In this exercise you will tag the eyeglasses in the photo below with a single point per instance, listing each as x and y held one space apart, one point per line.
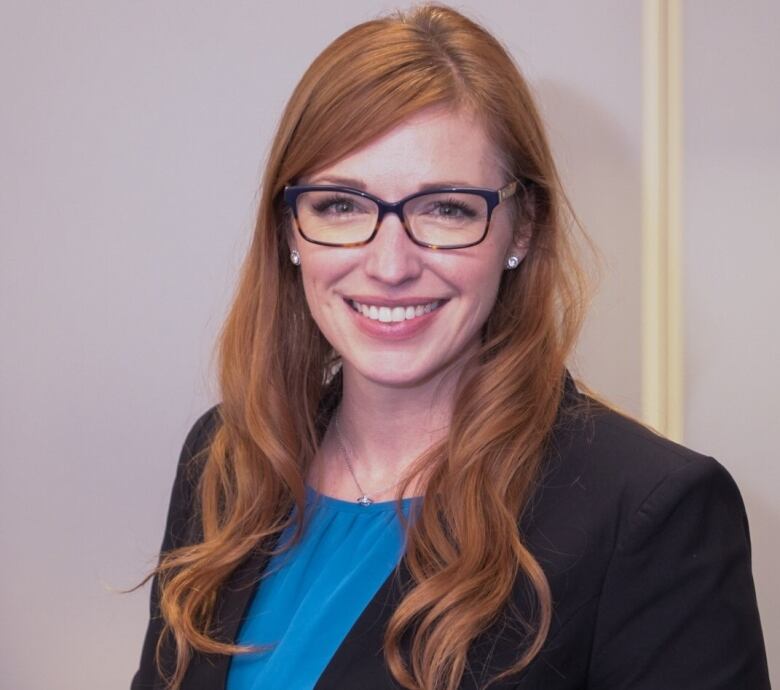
446 218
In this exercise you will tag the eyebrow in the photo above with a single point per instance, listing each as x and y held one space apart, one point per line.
361 185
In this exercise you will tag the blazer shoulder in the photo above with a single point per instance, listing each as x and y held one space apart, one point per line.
181 528
618 462
182 518
202 430
196 444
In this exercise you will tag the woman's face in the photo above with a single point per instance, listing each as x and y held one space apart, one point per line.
434 148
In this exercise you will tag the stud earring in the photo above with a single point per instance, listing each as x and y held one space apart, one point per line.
295 257
512 262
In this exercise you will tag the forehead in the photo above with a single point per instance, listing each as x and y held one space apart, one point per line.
434 146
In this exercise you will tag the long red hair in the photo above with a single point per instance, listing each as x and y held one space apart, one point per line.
275 366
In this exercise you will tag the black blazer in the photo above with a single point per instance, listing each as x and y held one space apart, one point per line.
646 547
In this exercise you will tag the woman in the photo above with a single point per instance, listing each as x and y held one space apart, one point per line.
402 485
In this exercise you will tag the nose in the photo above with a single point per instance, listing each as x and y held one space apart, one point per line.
391 257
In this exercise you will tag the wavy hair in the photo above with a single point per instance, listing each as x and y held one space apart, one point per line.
275 366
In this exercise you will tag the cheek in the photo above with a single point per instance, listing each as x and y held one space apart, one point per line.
479 276
485 280
320 273
319 308
314 288
487 289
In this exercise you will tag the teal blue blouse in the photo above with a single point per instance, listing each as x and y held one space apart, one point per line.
309 597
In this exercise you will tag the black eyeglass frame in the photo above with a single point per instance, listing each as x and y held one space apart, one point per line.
493 197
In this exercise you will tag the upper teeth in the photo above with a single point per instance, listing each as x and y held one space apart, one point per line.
388 314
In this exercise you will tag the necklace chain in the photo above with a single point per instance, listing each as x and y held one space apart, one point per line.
363 499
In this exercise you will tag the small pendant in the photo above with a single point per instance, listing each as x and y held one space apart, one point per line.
365 500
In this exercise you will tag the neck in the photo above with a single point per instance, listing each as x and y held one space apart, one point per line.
386 428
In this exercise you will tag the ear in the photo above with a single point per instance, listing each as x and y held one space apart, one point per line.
290 231
524 225
518 251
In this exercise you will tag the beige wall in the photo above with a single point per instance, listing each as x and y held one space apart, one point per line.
132 137
731 295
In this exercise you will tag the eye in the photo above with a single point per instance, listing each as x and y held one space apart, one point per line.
338 205
450 209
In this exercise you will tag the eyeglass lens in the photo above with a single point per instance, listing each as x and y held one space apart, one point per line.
442 218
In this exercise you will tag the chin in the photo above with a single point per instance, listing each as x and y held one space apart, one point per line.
395 372
399 382
393 377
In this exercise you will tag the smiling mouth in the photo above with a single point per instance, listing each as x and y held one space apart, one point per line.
394 314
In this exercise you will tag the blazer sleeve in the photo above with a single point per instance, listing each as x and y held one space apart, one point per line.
678 607
179 530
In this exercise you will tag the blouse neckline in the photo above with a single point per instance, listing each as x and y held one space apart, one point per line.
339 504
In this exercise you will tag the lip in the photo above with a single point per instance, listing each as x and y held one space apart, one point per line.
393 330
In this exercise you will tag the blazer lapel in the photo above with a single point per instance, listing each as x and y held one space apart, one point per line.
209 672
360 652
359 661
